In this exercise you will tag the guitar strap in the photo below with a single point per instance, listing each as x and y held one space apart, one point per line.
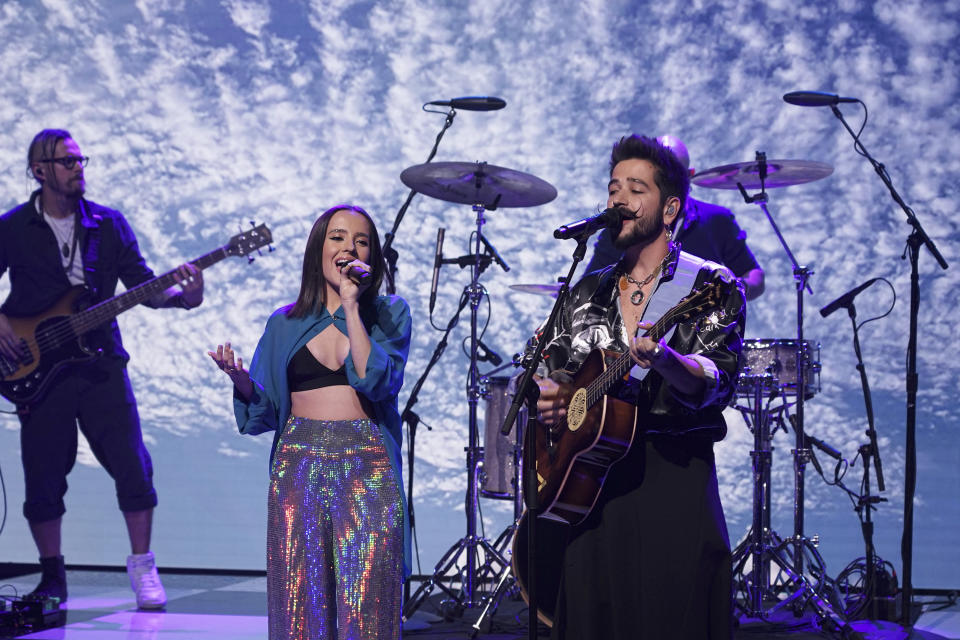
668 295
90 242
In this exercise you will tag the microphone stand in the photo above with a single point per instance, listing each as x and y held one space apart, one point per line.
866 502
471 544
413 420
917 238
528 391
389 253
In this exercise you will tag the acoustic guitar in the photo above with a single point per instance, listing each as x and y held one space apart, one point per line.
574 455
52 340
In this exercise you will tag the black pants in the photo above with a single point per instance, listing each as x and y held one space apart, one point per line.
98 398
652 561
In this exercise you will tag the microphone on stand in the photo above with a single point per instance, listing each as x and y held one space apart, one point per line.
823 446
486 354
846 298
815 99
437 261
494 253
588 226
472 103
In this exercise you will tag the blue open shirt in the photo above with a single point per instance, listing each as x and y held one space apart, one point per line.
387 321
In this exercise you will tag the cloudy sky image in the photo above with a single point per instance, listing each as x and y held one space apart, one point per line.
201 116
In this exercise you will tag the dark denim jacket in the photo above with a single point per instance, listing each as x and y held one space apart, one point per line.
28 249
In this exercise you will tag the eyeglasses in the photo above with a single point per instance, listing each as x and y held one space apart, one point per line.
68 162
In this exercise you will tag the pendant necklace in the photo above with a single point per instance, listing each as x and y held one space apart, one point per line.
636 298
63 229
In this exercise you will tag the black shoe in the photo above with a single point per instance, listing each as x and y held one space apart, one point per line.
53 581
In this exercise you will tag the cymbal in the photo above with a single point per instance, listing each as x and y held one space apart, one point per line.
542 289
780 173
478 183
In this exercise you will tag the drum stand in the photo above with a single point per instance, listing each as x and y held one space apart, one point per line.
505 581
766 578
463 556
793 586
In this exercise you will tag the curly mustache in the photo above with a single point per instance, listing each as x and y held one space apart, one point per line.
625 213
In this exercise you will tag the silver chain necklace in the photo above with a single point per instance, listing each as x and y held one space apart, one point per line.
636 298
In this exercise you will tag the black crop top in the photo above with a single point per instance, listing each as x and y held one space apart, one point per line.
306 372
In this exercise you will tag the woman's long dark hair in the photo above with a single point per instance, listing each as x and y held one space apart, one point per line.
313 289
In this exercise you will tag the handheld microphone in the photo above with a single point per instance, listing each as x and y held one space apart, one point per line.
437 261
494 253
846 298
359 275
815 99
472 103
588 226
486 354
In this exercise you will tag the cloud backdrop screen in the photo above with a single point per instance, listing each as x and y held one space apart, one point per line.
202 116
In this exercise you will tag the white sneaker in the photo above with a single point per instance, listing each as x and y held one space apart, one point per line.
145 581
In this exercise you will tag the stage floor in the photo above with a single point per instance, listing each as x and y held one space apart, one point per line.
220 607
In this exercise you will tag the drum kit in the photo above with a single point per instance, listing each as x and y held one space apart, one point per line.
771 369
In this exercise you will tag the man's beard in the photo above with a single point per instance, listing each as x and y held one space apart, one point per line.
73 188
642 230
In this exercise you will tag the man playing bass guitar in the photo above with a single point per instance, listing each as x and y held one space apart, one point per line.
56 240
651 559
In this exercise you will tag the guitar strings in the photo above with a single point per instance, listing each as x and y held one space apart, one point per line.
63 330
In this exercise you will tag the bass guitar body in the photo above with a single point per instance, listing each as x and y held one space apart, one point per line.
47 344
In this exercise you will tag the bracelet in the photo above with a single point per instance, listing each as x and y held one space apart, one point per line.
182 301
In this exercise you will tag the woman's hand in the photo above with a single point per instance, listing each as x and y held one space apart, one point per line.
224 357
350 291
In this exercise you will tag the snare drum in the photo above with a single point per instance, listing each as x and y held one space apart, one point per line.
498 478
770 363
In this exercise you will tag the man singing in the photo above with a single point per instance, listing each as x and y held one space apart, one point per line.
652 560
50 243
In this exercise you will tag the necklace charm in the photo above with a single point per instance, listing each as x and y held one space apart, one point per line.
636 298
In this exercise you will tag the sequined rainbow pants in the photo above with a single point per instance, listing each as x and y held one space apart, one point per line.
334 534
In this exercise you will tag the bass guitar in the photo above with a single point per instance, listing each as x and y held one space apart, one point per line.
54 339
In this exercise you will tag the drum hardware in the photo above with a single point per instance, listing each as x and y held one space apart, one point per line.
767 579
773 363
503 482
485 187
779 173
761 174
